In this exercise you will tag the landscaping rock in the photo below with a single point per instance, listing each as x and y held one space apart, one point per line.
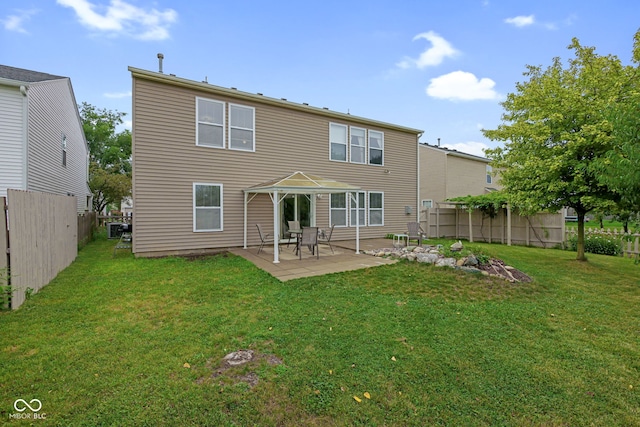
446 262
457 246
429 258
470 263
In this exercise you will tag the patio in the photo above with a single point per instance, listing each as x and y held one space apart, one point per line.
290 267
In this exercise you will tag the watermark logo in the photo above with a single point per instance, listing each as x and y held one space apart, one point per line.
34 405
21 405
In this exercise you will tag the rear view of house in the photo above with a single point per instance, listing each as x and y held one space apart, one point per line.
42 144
200 152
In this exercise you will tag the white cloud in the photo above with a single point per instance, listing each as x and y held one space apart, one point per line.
521 21
462 86
471 147
439 50
121 18
16 22
118 94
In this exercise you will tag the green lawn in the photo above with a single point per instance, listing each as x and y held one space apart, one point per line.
130 341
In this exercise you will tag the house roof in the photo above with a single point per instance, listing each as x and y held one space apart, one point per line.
302 183
27 76
456 153
282 102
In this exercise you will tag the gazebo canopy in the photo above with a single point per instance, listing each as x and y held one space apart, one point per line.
302 183
296 183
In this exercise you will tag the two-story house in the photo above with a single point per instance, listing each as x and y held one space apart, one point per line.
447 173
42 144
202 154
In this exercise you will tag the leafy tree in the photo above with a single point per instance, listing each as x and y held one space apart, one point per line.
109 155
620 167
555 128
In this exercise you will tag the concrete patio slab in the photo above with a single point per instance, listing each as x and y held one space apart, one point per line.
290 267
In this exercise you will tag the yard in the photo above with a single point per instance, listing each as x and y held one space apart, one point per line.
130 341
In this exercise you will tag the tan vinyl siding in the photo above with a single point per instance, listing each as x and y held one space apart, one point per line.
167 162
465 177
52 114
433 174
12 139
446 174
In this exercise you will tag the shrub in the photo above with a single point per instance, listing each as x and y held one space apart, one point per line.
597 244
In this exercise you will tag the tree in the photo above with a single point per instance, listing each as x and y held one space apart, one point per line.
619 168
109 156
556 128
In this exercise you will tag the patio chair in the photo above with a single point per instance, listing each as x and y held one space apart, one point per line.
264 237
415 232
309 239
293 225
325 237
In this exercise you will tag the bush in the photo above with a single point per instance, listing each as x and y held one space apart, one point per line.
597 244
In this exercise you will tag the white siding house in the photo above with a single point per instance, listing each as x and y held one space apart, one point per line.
42 144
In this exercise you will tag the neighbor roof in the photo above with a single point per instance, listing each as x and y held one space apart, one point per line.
27 76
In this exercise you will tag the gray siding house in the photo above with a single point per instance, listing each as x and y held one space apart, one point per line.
200 151
42 144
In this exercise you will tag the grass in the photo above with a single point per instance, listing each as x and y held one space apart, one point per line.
596 224
107 341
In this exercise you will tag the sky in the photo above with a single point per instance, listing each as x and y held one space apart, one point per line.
440 66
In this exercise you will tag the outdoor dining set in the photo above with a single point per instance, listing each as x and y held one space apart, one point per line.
309 237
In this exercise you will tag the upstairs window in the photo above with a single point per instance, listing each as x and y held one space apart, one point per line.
241 127
376 148
358 140
207 207
489 174
64 150
210 126
338 142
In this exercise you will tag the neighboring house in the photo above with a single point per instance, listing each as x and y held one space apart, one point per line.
199 150
446 173
42 144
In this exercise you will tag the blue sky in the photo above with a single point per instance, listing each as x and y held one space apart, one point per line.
440 66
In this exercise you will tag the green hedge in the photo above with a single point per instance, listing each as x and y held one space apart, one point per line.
597 244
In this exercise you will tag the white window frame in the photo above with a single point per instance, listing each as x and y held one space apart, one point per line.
489 174
195 208
220 125
345 209
428 201
362 207
363 147
376 148
370 209
253 129
345 143
64 150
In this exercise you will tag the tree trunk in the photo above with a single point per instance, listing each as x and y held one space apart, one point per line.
580 256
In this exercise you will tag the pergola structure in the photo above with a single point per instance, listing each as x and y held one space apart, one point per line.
297 183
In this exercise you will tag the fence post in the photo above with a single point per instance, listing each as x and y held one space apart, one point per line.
508 224
470 228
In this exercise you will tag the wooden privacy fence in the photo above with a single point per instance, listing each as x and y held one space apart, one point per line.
544 229
39 234
629 243
87 223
